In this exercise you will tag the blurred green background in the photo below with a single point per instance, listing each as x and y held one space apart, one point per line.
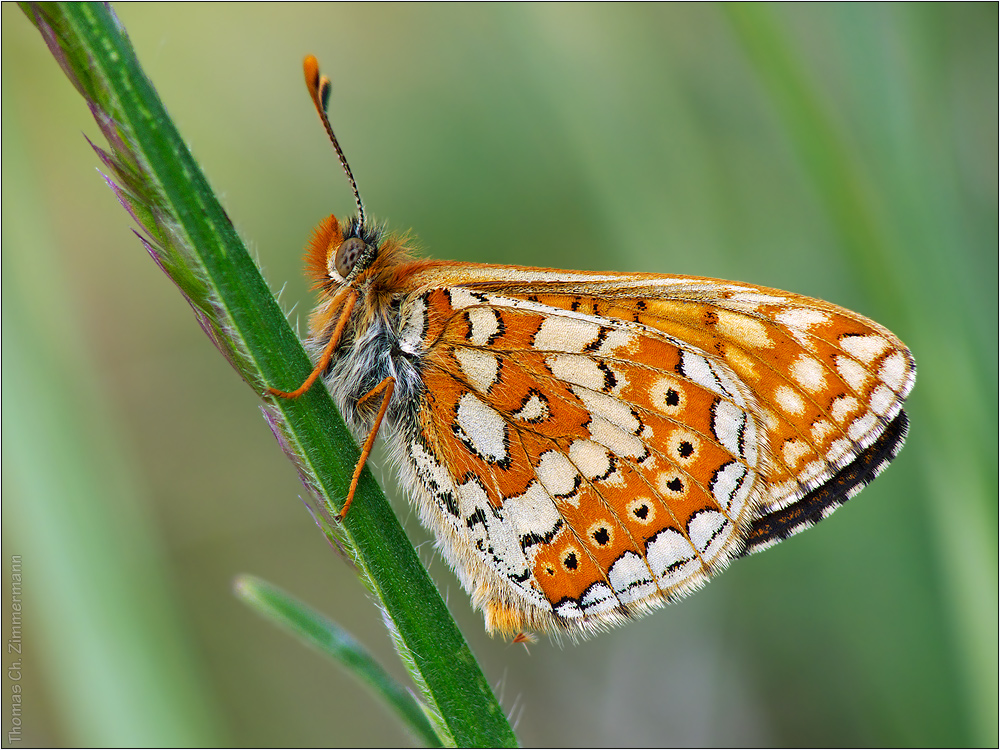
847 152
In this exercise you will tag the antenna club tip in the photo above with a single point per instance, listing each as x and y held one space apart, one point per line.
319 90
310 66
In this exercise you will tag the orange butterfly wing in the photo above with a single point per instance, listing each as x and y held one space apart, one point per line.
588 449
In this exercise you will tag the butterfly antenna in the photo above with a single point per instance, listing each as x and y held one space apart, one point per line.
319 90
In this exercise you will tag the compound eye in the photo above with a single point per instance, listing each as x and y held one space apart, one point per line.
347 256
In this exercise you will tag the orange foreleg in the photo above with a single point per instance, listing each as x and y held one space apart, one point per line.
324 359
387 386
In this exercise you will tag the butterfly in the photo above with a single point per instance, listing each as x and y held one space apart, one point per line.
587 447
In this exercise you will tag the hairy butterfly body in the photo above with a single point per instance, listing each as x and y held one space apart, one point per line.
589 446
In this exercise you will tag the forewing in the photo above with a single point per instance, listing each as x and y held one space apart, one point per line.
827 382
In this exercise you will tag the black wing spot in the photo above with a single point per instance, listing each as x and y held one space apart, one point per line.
596 344
529 539
601 536
610 381
447 499
520 577
477 517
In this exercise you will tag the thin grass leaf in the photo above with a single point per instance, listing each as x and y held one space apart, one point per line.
329 638
188 234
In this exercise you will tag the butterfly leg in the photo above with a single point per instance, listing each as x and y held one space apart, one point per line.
386 387
324 360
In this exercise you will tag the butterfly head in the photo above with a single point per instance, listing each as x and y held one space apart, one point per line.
339 254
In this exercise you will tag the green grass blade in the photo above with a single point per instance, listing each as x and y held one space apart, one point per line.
188 234
329 638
